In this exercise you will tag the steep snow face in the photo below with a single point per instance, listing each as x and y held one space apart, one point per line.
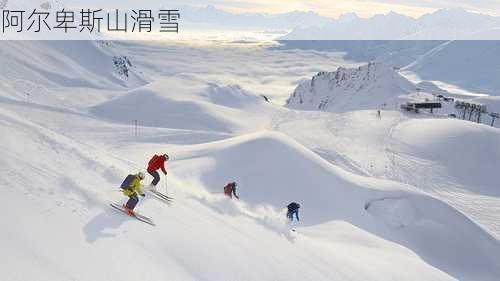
366 87
86 64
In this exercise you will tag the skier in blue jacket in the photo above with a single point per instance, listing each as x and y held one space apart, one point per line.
293 208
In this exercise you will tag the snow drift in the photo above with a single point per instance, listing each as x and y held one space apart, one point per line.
187 103
151 109
469 151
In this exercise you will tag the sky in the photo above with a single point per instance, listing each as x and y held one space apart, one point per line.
365 8
329 8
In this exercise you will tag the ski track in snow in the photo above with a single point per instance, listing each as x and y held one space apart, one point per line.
483 209
378 158
427 54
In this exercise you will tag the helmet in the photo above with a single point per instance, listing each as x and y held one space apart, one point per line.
166 156
141 175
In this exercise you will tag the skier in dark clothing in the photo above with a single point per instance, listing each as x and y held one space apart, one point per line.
156 163
230 189
293 208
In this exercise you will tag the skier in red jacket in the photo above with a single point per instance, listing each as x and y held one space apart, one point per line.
156 163
230 189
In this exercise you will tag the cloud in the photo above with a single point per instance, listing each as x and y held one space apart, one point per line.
330 8
492 5
361 7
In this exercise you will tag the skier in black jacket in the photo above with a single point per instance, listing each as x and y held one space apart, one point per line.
293 208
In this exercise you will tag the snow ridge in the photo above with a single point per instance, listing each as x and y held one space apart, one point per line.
364 87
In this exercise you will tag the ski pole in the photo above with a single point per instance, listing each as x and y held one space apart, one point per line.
166 185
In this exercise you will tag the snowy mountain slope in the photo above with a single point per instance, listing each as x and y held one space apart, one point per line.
66 205
45 64
470 152
367 86
456 164
467 64
333 193
463 158
278 148
430 52
211 107
363 143
392 52
64 162
167 112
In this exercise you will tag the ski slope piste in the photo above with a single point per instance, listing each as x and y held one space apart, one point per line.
66 150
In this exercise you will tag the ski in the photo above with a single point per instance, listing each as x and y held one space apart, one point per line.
136 215
161 195
162 199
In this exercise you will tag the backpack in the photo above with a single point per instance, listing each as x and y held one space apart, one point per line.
127 182
228 189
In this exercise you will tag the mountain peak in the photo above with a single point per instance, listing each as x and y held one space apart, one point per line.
395 14
364 87
452 12
348 17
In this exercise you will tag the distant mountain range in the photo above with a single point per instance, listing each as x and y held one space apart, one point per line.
212 17
444 24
